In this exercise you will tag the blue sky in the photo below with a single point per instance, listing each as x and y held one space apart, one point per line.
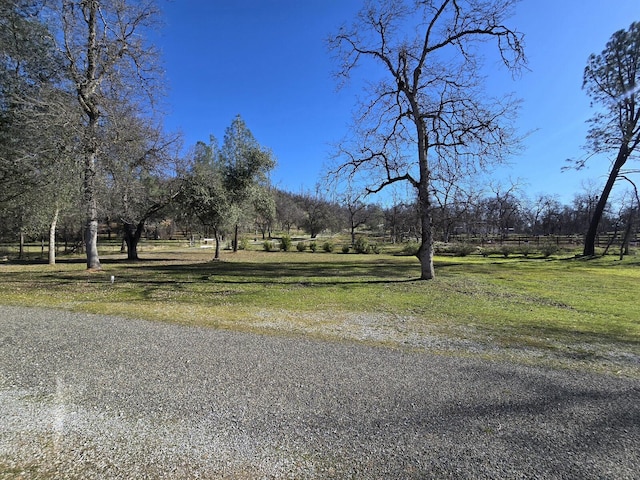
267 60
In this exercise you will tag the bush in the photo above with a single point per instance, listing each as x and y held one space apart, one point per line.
301 246
285 243
313 246
525 249
361 245
243 244
346 248
549 249
463 249
328 247
410 249
487 251
268 246
505 250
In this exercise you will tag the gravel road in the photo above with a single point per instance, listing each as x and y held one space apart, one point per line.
85 396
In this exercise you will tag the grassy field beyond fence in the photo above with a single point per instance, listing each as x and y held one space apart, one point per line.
564 309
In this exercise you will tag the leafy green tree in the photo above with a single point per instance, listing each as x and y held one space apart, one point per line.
611 79
203 193
264 209
428 114
222 183
37 145
29 70
246 166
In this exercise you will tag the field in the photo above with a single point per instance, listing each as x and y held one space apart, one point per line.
559 311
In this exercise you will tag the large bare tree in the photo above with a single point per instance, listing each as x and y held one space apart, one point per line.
106 57
428 116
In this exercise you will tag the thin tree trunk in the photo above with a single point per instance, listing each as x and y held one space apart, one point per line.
235 239
91 232
21 248
52 237
624 246
611 240
217 237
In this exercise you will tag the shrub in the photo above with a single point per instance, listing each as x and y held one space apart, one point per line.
525 249
548 249
346 248
243 244
505 250
410 249
361 245
268 246
313 246
285 243
328 247
463 249
301 246
487 251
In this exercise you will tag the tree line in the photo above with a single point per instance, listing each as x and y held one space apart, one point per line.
83 150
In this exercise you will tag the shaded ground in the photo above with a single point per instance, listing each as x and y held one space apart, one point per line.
101 397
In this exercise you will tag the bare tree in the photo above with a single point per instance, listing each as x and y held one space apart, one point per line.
106 57
317 214
429 115
356 210
137 161
288 211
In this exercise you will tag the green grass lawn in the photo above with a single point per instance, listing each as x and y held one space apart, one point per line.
568 307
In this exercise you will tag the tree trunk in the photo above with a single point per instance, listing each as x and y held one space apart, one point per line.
235 239
624 247
21 248
425 252
86 93
91 232
217 237
52 237
132 235
590 238
611 240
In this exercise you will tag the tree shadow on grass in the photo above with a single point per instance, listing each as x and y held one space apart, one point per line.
168 270
290 272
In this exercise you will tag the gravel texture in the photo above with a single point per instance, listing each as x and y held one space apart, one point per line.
85 396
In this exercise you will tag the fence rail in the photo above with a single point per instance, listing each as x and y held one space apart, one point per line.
602 240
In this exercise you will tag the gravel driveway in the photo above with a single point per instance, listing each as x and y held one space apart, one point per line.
86 396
